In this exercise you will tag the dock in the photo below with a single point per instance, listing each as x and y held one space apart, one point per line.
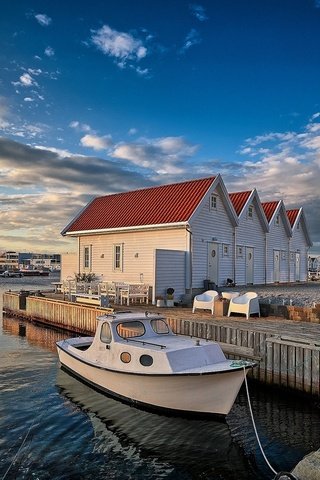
287 352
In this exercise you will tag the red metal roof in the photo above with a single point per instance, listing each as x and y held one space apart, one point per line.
149 206
239 199
269 208
292 215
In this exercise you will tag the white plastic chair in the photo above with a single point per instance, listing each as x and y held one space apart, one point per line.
230 295
205 301
246 304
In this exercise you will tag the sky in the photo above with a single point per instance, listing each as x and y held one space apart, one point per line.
118 95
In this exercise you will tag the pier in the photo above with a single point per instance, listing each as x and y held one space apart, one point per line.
287 352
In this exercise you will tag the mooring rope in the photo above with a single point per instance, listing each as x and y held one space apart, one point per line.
278 475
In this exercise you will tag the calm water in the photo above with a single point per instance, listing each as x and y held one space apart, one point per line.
54 427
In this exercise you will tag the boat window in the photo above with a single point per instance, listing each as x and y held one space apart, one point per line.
125 357
105 334
146 360
159 326
130 329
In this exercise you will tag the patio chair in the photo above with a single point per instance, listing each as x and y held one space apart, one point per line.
205 301
246 304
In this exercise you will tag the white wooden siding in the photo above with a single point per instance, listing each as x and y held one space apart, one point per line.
250 233
298 244
278 240
211 226
170 271
138 252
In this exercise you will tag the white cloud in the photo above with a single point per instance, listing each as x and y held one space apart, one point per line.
28 99
164 155
199 12
95 142
26 80
49 52
4 113
132 131
81 127
43 19
123 47
193 38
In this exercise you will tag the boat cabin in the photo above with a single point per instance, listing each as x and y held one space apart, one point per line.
145 344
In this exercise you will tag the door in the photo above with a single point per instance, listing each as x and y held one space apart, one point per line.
249 265
213 262
276 266
297 279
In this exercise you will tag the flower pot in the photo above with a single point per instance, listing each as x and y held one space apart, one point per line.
160 303
170 303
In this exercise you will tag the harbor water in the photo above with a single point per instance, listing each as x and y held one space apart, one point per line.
54 427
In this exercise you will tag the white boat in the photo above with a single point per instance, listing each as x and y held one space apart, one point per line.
136 357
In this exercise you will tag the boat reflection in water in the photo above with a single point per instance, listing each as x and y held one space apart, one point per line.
194 445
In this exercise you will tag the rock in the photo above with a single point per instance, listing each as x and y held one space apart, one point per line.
309 467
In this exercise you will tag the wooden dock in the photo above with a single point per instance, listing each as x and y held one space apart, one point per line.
287 352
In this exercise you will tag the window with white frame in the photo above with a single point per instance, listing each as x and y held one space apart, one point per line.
250 211
298 226
225 250
213 202
239 251
87 257
277 220
118 257
283 255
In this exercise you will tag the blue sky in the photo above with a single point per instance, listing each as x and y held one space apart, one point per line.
118 95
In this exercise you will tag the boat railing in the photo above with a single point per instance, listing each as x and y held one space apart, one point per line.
129 339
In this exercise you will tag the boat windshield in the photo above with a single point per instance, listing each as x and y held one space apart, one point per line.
130 329
159 326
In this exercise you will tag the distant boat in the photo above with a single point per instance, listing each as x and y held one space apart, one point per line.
137 358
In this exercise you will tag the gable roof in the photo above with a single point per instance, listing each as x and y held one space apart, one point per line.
292 216
165 204
242 200
271 209
295 216
239 199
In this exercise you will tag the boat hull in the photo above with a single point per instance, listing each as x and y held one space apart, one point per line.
208 393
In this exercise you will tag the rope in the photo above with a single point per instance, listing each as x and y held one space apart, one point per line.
278 475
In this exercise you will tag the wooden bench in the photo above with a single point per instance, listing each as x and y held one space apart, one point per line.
134 292
91 299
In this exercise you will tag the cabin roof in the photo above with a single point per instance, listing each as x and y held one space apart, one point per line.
269 208
292 215
165 204
239 199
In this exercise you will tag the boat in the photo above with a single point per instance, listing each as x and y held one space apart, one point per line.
136 358
34 273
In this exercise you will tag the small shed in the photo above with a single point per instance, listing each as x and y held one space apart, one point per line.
300 243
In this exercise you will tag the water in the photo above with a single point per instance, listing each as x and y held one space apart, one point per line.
54 427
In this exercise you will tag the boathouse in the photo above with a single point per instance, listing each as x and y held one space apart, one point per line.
278 241
300 242
176 235
250 238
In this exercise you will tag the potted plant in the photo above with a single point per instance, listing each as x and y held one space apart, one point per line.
170 301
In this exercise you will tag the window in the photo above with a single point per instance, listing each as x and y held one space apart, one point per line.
277 220
283 255
250 211
146 360
298 226
239 251
225 250
213 202
125 357
159 326
117 257
87 257
130 329
105 334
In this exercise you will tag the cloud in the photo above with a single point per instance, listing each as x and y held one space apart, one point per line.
164 155
4 113
49 52
81 127
43 19
199 12
121 46
193 38
38 182
26 80
95 142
